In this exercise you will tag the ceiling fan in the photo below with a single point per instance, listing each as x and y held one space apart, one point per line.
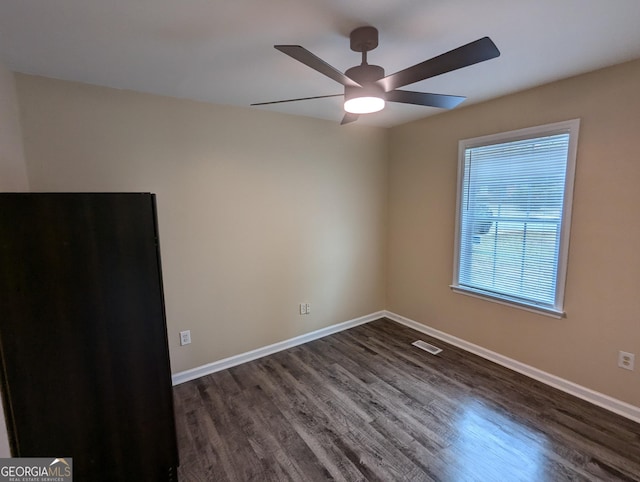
366 89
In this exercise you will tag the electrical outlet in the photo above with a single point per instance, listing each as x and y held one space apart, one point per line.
626 360
307 308
185 337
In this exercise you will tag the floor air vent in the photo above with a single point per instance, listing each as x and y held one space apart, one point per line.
423 345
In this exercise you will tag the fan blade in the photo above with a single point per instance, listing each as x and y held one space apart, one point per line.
349 117
469 54
422 98
295 100
316 63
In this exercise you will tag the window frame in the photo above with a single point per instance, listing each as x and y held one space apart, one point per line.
572 128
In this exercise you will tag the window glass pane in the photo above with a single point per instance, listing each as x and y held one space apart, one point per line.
511 213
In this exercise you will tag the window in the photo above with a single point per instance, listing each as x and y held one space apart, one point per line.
513 216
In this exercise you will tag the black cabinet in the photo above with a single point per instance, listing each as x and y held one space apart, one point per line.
83 340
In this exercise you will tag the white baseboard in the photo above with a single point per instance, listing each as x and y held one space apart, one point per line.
609 403
232 361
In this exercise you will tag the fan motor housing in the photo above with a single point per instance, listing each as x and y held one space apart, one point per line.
365 73
367 90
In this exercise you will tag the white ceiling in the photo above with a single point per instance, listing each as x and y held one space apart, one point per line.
221 51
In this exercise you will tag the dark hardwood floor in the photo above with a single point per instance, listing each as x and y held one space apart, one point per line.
364 404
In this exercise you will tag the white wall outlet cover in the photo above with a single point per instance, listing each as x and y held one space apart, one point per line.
626 360
185 337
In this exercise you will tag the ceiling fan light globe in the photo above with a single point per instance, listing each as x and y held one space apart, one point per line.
364 105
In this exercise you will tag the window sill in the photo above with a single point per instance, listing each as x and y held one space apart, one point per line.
523 306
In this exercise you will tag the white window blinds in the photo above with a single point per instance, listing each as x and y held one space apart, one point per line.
511 214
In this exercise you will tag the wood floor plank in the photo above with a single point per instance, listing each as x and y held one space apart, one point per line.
343 432
300 404
305 417
240 460
364 404
354 421
403 411
406 397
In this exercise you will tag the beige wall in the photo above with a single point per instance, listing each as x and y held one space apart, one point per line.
13 173
602 299
258 212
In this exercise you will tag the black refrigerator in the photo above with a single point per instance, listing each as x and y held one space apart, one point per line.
83 339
